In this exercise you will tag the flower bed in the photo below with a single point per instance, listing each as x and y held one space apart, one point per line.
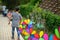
29 33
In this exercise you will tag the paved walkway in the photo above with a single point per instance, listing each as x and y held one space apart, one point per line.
5 29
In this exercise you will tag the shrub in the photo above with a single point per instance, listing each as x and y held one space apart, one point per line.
26 9
52 20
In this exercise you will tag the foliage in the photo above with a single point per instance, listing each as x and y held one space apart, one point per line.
26 9
52 20
22 2
33 2
14 3
11 3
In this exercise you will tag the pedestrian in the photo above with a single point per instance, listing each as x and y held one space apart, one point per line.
3 10
9 15
16 19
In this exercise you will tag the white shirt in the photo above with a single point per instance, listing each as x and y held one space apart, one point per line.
3 8
6 11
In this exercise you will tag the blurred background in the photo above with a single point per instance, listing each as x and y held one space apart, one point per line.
46 13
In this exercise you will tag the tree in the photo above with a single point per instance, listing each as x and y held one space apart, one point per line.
24 1
11 3
14 3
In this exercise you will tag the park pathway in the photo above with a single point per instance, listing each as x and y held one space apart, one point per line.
5 29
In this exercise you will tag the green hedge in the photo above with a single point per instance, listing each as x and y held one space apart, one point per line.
52 20
33 2
26 9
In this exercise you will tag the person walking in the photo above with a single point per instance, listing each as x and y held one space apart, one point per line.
3 10
16 19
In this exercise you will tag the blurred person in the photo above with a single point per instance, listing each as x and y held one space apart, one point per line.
9 15
16 19
3 10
